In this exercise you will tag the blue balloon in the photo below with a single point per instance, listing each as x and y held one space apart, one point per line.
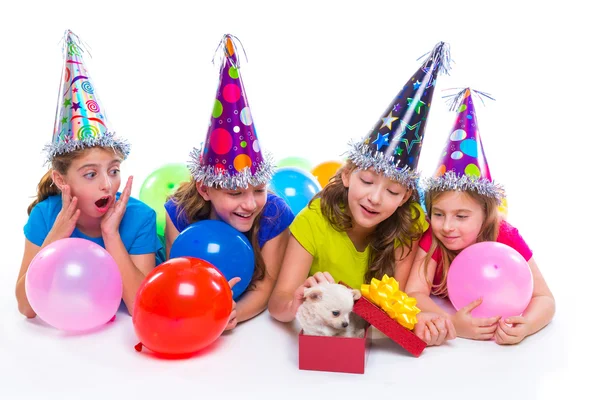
295 186
221 245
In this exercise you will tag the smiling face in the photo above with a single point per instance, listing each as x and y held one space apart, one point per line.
94 178
239 208
372 197
456 219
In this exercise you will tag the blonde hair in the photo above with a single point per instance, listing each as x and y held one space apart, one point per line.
402 225
194 208
60 163
488 232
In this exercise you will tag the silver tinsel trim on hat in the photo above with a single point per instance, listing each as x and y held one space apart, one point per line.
219 179
364 158
441 57
455 100
223 46
102 140
451 181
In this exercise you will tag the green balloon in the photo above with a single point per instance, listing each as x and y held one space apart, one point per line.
298 162
158 186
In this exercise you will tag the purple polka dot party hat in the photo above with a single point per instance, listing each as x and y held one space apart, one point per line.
463 165
231 156
80 117
393 146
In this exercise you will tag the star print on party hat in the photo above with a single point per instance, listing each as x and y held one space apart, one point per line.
80 117
463 165
394 144
231 156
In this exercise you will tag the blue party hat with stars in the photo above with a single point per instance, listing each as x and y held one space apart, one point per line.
394 144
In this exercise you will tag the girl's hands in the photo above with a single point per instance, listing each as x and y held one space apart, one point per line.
65 222
474 328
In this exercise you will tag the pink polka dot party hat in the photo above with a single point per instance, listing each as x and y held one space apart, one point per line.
463 165
231 156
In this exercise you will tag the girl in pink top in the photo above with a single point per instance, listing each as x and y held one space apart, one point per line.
462 204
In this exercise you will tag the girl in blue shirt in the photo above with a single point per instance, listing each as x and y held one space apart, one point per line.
229 178
78 195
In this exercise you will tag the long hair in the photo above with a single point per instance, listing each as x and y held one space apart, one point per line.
401 226
61 164
488 232
194 208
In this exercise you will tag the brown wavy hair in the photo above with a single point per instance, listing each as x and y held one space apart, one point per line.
194 208
487 233
61 164
402 225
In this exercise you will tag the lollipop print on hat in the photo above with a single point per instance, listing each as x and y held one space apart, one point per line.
80 117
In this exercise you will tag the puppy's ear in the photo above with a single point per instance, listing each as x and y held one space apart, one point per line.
356 294
313 293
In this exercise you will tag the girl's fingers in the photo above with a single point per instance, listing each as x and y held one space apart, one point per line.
75 217
126 192
434 332
486 336
329 277
72 207
320 277
427 336
65 196
487 329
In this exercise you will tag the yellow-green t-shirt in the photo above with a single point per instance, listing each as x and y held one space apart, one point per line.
333 251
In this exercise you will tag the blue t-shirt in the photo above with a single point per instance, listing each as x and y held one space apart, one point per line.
137 229
276 217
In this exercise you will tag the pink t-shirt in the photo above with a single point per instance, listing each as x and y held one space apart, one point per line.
507 234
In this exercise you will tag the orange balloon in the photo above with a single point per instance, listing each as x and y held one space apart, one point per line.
325 171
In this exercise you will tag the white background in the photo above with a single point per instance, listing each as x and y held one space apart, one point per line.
318 74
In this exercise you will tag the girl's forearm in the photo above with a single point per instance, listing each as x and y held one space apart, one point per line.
281 306
23 302
251 304
132 277
539 313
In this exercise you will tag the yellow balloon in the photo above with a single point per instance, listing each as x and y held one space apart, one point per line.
325 171
503 208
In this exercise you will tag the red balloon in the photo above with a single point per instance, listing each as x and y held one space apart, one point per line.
182 306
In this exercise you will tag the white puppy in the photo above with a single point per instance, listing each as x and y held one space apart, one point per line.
327 311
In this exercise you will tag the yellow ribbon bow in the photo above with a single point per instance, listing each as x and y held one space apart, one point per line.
386 294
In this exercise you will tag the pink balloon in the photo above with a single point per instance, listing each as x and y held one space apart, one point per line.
495 272
74 285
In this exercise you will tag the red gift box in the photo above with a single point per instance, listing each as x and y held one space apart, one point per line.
333 353
344 354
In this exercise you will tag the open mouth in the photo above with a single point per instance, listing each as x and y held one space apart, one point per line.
103 202
243 215
369 211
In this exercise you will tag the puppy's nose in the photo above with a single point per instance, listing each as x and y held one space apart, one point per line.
345 324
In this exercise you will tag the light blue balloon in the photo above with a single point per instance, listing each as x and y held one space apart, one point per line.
295 186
